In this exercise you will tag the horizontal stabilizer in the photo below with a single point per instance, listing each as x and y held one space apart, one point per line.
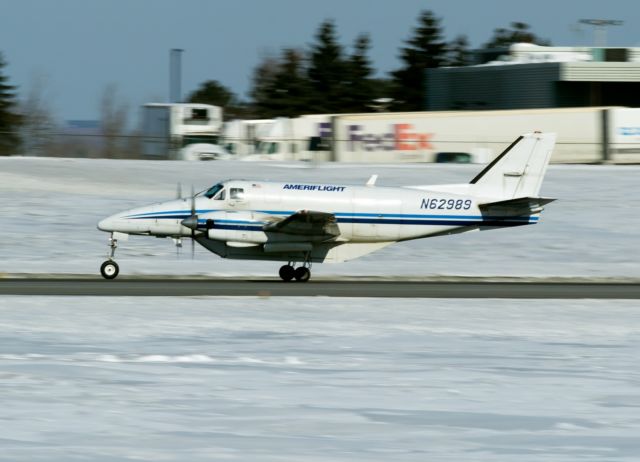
518 206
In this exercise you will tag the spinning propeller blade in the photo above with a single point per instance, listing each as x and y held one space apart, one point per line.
193 230
191 221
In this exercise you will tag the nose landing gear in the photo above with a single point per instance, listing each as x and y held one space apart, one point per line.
110 269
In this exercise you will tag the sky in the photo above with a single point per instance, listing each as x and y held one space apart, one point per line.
76 48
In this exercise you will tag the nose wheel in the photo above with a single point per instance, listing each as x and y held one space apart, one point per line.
110 269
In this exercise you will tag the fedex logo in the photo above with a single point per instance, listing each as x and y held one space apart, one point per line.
401 137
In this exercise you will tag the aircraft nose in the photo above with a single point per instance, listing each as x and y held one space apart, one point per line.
109 224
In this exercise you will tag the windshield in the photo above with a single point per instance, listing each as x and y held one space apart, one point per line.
213 190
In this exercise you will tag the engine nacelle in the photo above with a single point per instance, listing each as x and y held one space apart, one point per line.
241 226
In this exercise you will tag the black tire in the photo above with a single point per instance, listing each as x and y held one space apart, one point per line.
109 269
302 274
286 273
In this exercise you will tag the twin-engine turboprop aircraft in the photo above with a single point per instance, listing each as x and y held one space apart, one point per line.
302 223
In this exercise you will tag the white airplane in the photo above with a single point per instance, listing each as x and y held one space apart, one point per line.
303 223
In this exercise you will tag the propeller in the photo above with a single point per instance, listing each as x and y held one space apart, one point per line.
178 242
191 222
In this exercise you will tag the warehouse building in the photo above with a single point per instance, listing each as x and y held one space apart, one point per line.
532 76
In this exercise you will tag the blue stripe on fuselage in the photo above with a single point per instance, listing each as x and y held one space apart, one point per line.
339 215
355 218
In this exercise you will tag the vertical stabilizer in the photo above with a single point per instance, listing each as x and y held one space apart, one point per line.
519 170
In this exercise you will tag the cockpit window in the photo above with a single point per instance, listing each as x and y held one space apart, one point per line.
213 190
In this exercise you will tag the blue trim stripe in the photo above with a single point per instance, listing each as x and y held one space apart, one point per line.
483 222
354 218
177 213
339 215
489 222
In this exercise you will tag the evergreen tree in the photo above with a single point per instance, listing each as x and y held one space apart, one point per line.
426 49
459 54
290 95
327 71
214 93
263 83
9 120
359 86
281 87
519 33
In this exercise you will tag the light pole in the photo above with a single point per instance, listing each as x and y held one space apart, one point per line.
600 31
175 75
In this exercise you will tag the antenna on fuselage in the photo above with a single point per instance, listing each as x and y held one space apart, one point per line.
372 181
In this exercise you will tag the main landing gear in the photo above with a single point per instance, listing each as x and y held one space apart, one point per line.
301 273
110 269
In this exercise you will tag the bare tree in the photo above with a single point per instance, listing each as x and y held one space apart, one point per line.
113 120
38 122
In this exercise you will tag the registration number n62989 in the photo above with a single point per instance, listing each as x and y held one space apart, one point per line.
445 204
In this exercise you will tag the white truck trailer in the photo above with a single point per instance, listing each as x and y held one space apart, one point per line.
301 138
585 135
182 131
243 138
432 136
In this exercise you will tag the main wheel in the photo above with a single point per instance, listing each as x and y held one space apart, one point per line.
286 273
302 274
109 269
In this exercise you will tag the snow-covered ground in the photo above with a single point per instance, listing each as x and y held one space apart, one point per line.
315 379
291 379
50 207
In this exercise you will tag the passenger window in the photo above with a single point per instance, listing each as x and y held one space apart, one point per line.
237 194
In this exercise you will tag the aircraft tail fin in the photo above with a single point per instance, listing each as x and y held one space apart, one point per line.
519 170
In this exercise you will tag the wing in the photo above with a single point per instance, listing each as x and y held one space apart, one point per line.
306 223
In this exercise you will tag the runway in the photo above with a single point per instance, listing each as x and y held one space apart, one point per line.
141 286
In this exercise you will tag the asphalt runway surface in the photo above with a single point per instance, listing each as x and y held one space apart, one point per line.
141 286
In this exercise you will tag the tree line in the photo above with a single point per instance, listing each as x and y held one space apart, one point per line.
326 77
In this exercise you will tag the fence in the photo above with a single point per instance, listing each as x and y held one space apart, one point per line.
131 146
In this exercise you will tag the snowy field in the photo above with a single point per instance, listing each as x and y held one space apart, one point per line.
322 379
50 208
316 379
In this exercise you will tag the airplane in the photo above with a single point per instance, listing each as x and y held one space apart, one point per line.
306 223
